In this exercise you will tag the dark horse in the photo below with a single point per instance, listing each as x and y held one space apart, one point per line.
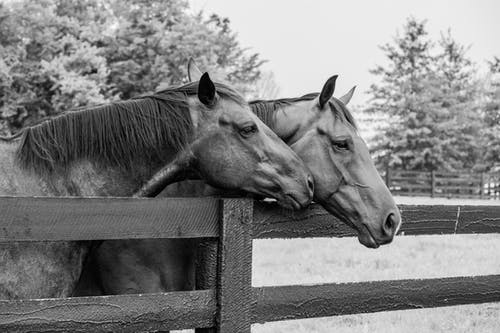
322 131
113 149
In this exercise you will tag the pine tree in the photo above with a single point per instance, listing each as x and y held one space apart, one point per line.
457 96
491 117
430 102
409 139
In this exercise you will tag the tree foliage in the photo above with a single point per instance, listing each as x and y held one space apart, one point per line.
57 55
491 121
429 93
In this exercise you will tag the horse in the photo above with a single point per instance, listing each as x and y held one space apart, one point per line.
320 128
200 130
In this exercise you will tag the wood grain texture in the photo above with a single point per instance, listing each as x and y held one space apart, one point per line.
234 287
34 219
475 219
125 313
206 272
206 267
297 302
272 221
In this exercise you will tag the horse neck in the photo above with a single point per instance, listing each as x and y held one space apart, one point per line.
82 177
95 178
289 119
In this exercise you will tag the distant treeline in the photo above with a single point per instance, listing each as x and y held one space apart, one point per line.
440 113
57 55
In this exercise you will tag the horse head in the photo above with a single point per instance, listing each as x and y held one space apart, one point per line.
347 183
233 149
322 131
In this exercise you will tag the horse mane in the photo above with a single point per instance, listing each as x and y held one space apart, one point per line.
266 109
118 133
342 112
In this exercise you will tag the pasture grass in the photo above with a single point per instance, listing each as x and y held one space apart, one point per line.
305 261
322 260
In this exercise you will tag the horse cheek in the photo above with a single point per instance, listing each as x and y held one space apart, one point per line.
218 164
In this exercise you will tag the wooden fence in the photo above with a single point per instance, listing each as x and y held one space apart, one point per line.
443 184
229 303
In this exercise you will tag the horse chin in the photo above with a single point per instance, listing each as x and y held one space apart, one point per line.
291 202
365 237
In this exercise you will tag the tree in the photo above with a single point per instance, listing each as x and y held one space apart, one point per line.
408 140
491 117
58 55
265 87
457 96
429 100
152 41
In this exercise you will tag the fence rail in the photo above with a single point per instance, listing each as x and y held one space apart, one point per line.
230 303
443 184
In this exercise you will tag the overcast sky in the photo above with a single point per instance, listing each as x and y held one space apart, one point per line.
306 41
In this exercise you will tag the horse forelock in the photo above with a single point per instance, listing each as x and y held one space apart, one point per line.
342 112
119 133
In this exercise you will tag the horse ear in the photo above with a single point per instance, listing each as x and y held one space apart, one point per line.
206 90
347 97
194 72
327 91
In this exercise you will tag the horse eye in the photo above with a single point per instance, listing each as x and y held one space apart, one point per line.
248 131
341 145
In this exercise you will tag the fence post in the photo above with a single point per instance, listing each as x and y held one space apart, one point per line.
388 177
230 269
433 183
206 270
234 287
481 184
488 181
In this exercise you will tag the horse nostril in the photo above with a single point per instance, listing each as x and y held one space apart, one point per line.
310 184
390 225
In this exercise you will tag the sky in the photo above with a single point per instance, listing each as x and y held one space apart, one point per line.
307 41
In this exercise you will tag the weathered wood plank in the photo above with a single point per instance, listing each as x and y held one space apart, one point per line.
234 292
206 271
475 219
410 194
425 188
445 182
298 302
34 219
125 313
272 221
31 219
428 220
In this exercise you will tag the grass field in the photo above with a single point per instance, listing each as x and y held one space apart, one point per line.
321 260
303 261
